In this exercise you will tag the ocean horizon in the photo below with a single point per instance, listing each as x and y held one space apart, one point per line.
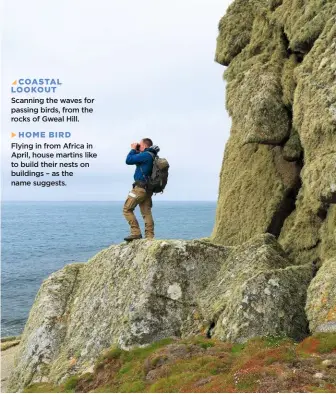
41 237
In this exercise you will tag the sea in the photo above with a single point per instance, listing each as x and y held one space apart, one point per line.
39 238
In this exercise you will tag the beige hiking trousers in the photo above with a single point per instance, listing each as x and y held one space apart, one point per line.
136 196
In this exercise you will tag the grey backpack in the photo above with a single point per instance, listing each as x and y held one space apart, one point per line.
159 177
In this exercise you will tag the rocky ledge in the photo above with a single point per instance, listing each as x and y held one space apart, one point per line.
134 294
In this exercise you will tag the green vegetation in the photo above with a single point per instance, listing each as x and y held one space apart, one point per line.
10 339
319 343
8 344
41 388
205 365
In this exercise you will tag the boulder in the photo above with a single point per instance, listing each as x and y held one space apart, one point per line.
321 299
126 295
134 294
257 292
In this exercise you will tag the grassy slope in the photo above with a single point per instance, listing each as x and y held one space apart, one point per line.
206 365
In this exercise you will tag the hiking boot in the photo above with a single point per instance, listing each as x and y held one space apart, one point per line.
132 237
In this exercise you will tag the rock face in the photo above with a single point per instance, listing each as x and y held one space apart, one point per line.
278 173
321 299
257 292
138 293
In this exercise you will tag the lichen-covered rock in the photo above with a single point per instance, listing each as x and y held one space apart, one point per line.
288 82
292 150
46 327
327 249
235 29
257 293
134 294
313 116
304 20
321 299
257 186
125 295
254 86
280 91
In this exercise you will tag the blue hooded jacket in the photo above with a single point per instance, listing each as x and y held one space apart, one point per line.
144 160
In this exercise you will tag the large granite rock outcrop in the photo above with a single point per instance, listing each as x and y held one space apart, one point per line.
278 172
134 294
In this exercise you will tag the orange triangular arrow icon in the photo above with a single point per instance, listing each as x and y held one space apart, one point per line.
15 82
13 135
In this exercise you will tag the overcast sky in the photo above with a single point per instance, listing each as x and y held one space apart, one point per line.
149 65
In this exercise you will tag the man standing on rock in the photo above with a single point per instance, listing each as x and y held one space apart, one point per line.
142 155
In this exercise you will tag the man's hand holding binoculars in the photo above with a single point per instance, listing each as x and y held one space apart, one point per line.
135 146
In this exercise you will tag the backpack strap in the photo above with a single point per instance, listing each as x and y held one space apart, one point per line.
143 174
153 156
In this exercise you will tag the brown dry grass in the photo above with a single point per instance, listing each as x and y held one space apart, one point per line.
263 364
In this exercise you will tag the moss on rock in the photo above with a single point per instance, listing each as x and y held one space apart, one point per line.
321 299
304 20
281 91
288 82
255 180
292 150
254 89
238 21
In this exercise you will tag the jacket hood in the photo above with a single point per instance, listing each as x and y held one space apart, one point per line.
154 149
